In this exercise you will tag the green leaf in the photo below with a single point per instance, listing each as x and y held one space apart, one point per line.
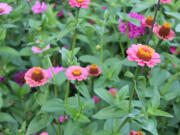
123 92
60 78
157 112
140 6
83 90
105 95
177 29
8 50
155 100
90 59
173 14
5 117
83 119
26 52
132 20
53 105
38 122
110 112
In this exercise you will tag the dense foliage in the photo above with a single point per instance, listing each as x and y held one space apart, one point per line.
81 67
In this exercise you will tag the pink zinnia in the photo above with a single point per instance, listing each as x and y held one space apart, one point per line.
164 32
56 70
166 1
133 30
113 92
135 133
104 7
148 21
29 0
93 70
96 99
173 49
44 133
143 55
79 3
61 119
39 8
36 76
76 73
60 14
40 50
5 8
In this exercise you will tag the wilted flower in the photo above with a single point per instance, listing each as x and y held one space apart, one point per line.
60 14
76 73
96 99
39 8
143 55
36 76
56 70
5 8
166 1
148 21
79 3
113 91
133 30
19 78
93 70
40 50
173 49
164 32
91 21
1 78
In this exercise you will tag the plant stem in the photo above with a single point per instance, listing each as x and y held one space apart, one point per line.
177 51
102 35
54 129
75 35
133 86
116 124
59 129
122 124
169 82
79 100
92 86
54 79
155 15
67 92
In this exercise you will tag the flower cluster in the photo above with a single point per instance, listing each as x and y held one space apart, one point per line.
62 118
39 8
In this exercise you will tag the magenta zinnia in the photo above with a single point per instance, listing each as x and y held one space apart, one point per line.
79 3
166 1
113 91
76 73
19 78
143 55
36 76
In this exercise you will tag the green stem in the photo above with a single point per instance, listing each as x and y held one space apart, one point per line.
59 129
133 86
127 27
116 125
102 35
54 129
92 86
67 92
54 79
75 35
169 83
177 51
79 100
122 124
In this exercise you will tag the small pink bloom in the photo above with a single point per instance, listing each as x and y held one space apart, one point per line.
96 99
60 14
166 1
1 78
148 21
44 133
175 65
29 0
40 50
76 73
37 41
173 49
36 76
104 7
133 133
143 55
39 8
93 70
61 119
5 8
91 22
66 117
113 92
56 70
79 3
164 32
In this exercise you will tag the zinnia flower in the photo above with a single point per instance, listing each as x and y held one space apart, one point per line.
76 73
40 50
143 55
44 133
5 8
148 21
56 70
135 133
91 21
96 99
166 1
93 70
79 3
29 0
164 32
60 14
19 78
173 49
104 7
1 78
39 8
61 119
36 76
113 92
133 30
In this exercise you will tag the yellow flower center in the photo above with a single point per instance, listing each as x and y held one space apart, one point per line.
77 72
149 20
165 29
1 10
93 69
37 74
80 1
145 53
